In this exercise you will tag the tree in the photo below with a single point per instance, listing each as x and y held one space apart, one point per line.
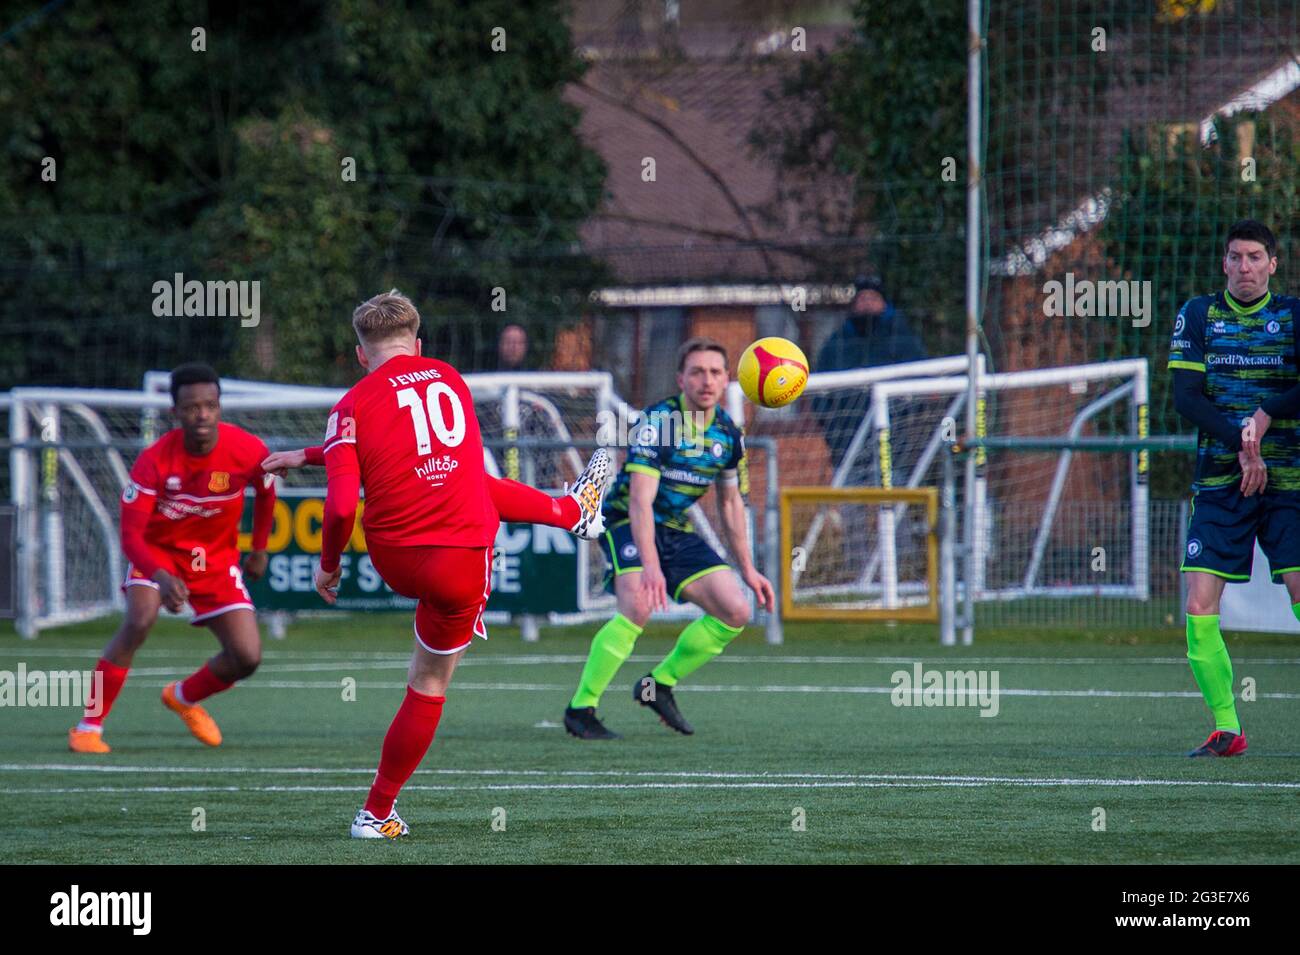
887 109
230 162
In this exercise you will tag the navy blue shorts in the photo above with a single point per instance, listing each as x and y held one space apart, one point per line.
1224 526
684 556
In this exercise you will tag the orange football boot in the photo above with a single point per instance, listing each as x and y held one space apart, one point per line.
87 741
203 726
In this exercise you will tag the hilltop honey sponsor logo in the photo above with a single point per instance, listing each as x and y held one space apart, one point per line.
436 470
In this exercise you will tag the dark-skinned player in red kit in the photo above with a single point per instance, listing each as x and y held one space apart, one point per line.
180 532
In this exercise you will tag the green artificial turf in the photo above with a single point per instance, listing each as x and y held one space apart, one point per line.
806 730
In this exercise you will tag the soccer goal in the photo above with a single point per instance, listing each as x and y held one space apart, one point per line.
1042 522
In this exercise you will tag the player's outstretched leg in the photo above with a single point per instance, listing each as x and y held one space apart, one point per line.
142 603
578 510
725 614
589 493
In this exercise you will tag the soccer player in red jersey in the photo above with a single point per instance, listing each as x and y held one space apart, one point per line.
180 527
408 432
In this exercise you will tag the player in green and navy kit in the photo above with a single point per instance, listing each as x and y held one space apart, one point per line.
1234 360
683 446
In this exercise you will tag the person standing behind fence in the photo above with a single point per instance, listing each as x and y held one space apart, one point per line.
874 333
512 349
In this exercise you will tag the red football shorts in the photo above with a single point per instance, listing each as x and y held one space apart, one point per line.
451 585
216 590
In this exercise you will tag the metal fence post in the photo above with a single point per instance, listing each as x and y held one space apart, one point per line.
772 543
21 491
947 558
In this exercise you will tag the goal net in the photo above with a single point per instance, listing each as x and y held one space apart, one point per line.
1047 524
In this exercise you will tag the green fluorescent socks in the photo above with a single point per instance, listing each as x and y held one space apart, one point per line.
1212 668
700 642
611 645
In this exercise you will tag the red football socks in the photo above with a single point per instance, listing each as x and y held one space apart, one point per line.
522 504
407 741
100 701
201 684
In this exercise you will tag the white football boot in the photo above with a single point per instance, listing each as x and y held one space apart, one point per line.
589 491
366 826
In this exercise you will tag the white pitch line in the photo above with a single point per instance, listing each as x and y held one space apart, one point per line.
552 787
755 778
542 659
257 684
487 787
343 666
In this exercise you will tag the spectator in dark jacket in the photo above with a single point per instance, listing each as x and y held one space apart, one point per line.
874 333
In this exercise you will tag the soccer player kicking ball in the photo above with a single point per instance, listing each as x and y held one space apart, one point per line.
180 529
1234 360
407 432
652 549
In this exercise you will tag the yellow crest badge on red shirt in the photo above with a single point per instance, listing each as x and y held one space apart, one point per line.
219 482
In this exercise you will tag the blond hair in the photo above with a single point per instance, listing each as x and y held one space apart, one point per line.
387 316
